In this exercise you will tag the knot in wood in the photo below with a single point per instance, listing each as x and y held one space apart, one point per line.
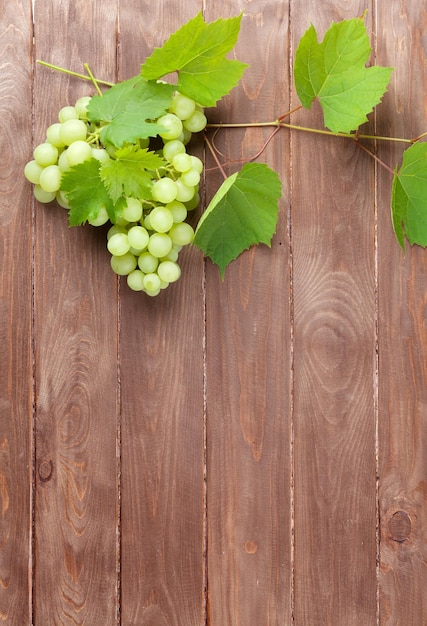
45 470
400 526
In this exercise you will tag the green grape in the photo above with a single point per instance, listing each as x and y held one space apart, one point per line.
113 230
100 154
193 203
184 192
178 210
161 219
46 154
151 283
132 211
43 196
61 199
50 178
123 264
182 106
67 113
32 171
172 148
72 130
182 162
196 122
169 271
181 234
63 164
100 218
191 178
135 280
118 244
172 126
164 190
78 152
196 163
171 256
52 135
81 107
138 237
159 244
147 263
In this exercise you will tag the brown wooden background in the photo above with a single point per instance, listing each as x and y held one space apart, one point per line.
246 453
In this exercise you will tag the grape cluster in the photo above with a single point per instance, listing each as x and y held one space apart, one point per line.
146 237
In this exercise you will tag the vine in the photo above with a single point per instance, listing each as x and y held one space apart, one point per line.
121 156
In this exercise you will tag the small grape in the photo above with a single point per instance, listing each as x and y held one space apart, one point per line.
81 107
63 164
46 154
78 152
161 219
113 230
138 237
178 210
50 178
118 244
172 148
43 196
32 171
123 264
135 280
62 199
100 218
182 106
182 162
147 263
159 244
100 154
196 163
72 130
151 283
67 113
52 135
184 192
164 190
191 178
132 211
172 126
181 234
196 122
169 271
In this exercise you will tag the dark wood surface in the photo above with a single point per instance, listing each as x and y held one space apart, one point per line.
240 453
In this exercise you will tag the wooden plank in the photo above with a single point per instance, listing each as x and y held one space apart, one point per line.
248 359
15 315
161 373
402 336
76 346
334 365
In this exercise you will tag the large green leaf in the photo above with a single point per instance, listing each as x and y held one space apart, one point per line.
86 192
197 52
334 71
409 197
127 173
243 212
128 109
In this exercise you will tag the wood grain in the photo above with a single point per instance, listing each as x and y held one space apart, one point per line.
334 365
162 405
248 360
15 316
402 338
76 356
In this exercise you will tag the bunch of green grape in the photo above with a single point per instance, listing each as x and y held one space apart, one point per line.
148 234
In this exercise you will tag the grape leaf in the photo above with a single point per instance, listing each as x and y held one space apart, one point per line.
197 52
409 193
86 193
242 212
334 71
128 109
127 174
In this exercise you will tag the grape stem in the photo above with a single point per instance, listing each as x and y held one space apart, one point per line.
93 79
76 74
